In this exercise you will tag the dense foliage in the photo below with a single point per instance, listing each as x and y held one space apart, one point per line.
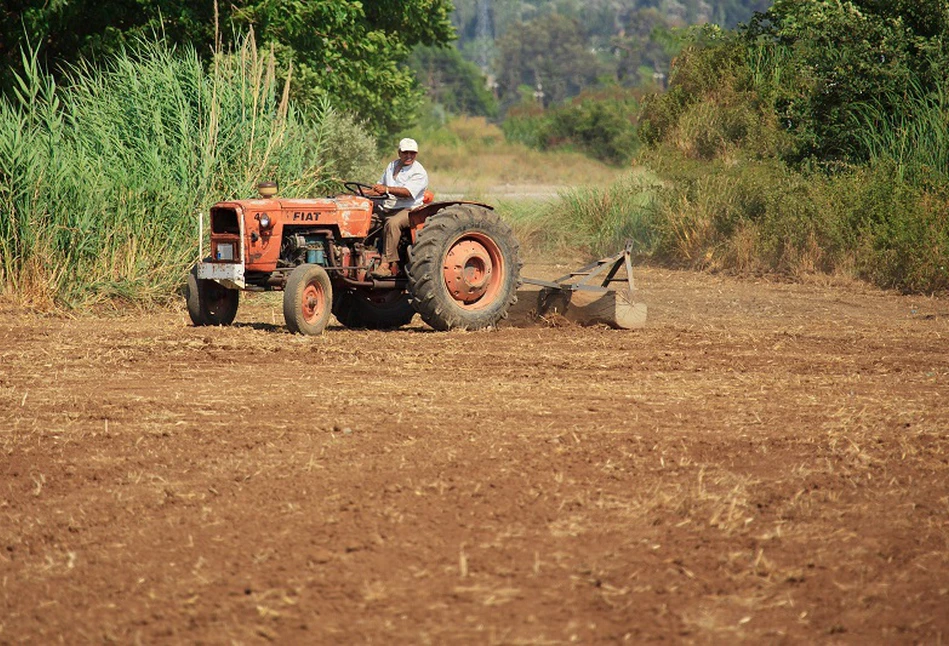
349 51
828 60
827 72
352 51
815 139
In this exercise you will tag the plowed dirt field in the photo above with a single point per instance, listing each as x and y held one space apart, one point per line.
763 462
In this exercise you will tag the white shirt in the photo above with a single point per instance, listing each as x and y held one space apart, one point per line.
413 177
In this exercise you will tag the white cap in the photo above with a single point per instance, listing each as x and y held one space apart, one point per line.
408 146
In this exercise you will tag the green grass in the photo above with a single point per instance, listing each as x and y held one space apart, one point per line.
916 142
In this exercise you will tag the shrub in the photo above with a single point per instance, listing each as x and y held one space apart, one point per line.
765 217
600 220
898 232
752 216
525 124
601 125
603 129
713 61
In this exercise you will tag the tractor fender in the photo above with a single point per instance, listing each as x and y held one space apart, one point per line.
419 214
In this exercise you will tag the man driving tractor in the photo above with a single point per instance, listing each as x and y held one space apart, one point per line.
405 181
464 271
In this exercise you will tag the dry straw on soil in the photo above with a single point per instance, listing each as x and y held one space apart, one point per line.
762 462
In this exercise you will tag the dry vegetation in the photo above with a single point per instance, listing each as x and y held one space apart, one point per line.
763 462
470 157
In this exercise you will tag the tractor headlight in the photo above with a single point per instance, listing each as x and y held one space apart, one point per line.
265 221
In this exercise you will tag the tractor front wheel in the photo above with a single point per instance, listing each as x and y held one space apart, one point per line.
307 300
210 303
464 269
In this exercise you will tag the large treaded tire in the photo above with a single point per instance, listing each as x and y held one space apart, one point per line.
210 303
464 269
307 300
381 311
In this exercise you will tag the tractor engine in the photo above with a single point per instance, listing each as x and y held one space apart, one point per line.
352 259
305 247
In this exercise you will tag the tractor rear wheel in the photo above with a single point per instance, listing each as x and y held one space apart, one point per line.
209 302
464 269
373 310
307 300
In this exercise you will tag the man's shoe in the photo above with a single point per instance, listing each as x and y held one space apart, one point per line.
383 271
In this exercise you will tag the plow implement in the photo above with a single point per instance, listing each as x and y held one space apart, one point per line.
602 292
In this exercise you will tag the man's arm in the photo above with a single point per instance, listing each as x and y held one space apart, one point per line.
398 191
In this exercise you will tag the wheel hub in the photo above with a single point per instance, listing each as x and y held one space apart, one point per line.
468 270
312 302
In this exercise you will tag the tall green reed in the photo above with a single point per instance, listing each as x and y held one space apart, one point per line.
768 63
915 140
596 221
605 218
100 179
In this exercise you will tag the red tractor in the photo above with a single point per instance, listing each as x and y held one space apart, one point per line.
460 260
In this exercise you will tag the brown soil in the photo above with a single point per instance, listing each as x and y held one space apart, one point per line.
763 462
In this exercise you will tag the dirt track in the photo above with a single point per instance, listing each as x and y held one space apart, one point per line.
763 462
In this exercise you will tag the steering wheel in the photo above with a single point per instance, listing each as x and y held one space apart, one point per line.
360 189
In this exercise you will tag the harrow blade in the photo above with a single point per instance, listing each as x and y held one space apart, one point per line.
590 296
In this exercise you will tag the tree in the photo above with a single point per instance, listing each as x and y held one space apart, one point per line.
646 42
550 54
452 82
68 31
347 50
352 51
